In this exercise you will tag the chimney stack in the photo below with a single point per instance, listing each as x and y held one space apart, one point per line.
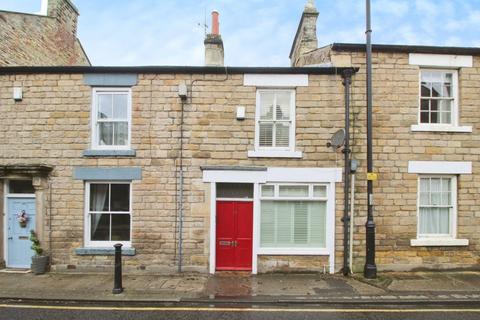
214 44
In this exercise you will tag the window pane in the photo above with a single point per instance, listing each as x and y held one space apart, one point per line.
100 227
434 105
105 133
318 224
282 134
425 89
293 191
121 133
20 186
424 117
319 191
268 191
266 105
98 197
293 224
120 197
434 118
284 212
445 105
266 135
300 231
120 227
104 106
434 221
267 224
283 106
120 105
436 89
235 190
425 105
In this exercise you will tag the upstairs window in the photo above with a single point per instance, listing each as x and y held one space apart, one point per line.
275 120
111 118
438 97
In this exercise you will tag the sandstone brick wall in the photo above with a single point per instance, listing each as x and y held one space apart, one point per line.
35 40
395 109
52 126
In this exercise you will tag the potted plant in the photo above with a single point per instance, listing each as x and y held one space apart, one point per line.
39 261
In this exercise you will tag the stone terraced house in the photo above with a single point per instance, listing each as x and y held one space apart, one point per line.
227 168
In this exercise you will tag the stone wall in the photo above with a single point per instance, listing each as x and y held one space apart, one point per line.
36 40
52 126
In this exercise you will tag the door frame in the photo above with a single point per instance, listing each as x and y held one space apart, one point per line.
213 224
8 195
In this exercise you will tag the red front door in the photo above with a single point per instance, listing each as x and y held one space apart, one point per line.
234 235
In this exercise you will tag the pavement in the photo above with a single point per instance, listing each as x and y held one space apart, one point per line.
414 287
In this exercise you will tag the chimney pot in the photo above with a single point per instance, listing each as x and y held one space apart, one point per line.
215 23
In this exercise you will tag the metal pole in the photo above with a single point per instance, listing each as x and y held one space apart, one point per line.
370 270
352 224
347 77
117 286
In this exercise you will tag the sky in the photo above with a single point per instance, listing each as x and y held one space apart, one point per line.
255 32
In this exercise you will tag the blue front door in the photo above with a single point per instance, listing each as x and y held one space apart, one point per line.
19 253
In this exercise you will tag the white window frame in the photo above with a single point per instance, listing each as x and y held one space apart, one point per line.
454 125
87 221
310 197
453 217
287 152
94 118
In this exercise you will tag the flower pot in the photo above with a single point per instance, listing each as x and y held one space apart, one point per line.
23 224
39 264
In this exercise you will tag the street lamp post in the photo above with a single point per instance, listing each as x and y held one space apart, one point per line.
370 270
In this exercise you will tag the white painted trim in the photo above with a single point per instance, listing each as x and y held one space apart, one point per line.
275 80
311 175
453 214
93 118
86 230
424 127
438 242
274 154
256 227
213 226
234 176
455 109
440 167
331 225
440 60
293 175
291 139
275 174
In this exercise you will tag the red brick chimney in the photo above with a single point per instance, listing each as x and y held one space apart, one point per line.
214 52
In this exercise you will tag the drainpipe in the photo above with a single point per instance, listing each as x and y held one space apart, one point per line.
347 79
183 97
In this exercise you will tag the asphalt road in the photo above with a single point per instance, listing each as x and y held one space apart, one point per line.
12 311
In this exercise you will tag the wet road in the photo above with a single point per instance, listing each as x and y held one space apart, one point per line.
13 311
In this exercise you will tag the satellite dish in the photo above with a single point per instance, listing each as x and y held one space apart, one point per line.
337 139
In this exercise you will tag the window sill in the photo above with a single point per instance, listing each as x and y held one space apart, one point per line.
440 128
109 153
438 242
107 251
274 154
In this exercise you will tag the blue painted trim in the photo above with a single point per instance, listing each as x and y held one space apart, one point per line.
110 79
103 251
96 173
109 153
